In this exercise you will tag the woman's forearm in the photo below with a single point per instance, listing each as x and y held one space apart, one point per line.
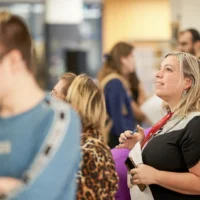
185 183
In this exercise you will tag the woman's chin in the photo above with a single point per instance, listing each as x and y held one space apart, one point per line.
159 94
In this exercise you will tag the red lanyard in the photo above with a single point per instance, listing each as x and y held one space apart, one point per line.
156 127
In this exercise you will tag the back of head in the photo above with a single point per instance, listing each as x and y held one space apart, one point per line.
68 78
14 35
88 100
113 59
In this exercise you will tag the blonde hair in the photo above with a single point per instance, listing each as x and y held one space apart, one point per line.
88 100
190 68
68 78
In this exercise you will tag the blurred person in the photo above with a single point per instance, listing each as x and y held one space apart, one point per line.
170 151
61 88
35 144
113 80
97 178
189 42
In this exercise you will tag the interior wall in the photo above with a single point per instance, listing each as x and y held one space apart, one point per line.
142 20
186 13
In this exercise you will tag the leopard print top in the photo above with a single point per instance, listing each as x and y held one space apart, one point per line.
97 178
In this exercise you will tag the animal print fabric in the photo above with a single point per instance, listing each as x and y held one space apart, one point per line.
97 178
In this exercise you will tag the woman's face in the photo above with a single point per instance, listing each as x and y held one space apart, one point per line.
58 90
128 63
169 82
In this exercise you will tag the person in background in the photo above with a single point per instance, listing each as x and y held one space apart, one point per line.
171 151
61 88
35 144
189 42
97 178
113 80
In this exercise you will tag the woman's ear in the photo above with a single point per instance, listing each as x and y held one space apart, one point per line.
188 83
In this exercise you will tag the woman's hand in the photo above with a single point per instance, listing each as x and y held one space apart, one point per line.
144 174
7 184
128 139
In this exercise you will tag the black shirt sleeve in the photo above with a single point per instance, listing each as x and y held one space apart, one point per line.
190 143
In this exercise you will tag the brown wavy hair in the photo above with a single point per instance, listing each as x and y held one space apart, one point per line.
113 59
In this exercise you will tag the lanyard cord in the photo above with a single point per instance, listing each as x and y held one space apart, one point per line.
156 127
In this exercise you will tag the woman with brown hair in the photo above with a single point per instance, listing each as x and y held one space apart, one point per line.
118 66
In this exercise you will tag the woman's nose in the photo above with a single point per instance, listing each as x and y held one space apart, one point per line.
159 73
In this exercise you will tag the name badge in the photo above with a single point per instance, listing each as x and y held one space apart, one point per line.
5 147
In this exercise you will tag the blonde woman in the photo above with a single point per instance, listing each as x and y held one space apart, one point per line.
171 150
97 178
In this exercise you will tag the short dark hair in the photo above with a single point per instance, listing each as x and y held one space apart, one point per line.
195 34
14 34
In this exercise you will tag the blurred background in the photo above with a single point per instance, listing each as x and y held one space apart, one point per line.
73 35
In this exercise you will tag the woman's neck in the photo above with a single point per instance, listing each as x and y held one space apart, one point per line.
25 95
172 105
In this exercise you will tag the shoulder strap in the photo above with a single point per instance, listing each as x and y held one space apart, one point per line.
112 76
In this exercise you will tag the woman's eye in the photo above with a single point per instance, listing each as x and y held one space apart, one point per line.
168 69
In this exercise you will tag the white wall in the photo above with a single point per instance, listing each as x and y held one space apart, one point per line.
187 12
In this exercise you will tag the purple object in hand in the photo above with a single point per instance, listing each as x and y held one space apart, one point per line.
119 156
